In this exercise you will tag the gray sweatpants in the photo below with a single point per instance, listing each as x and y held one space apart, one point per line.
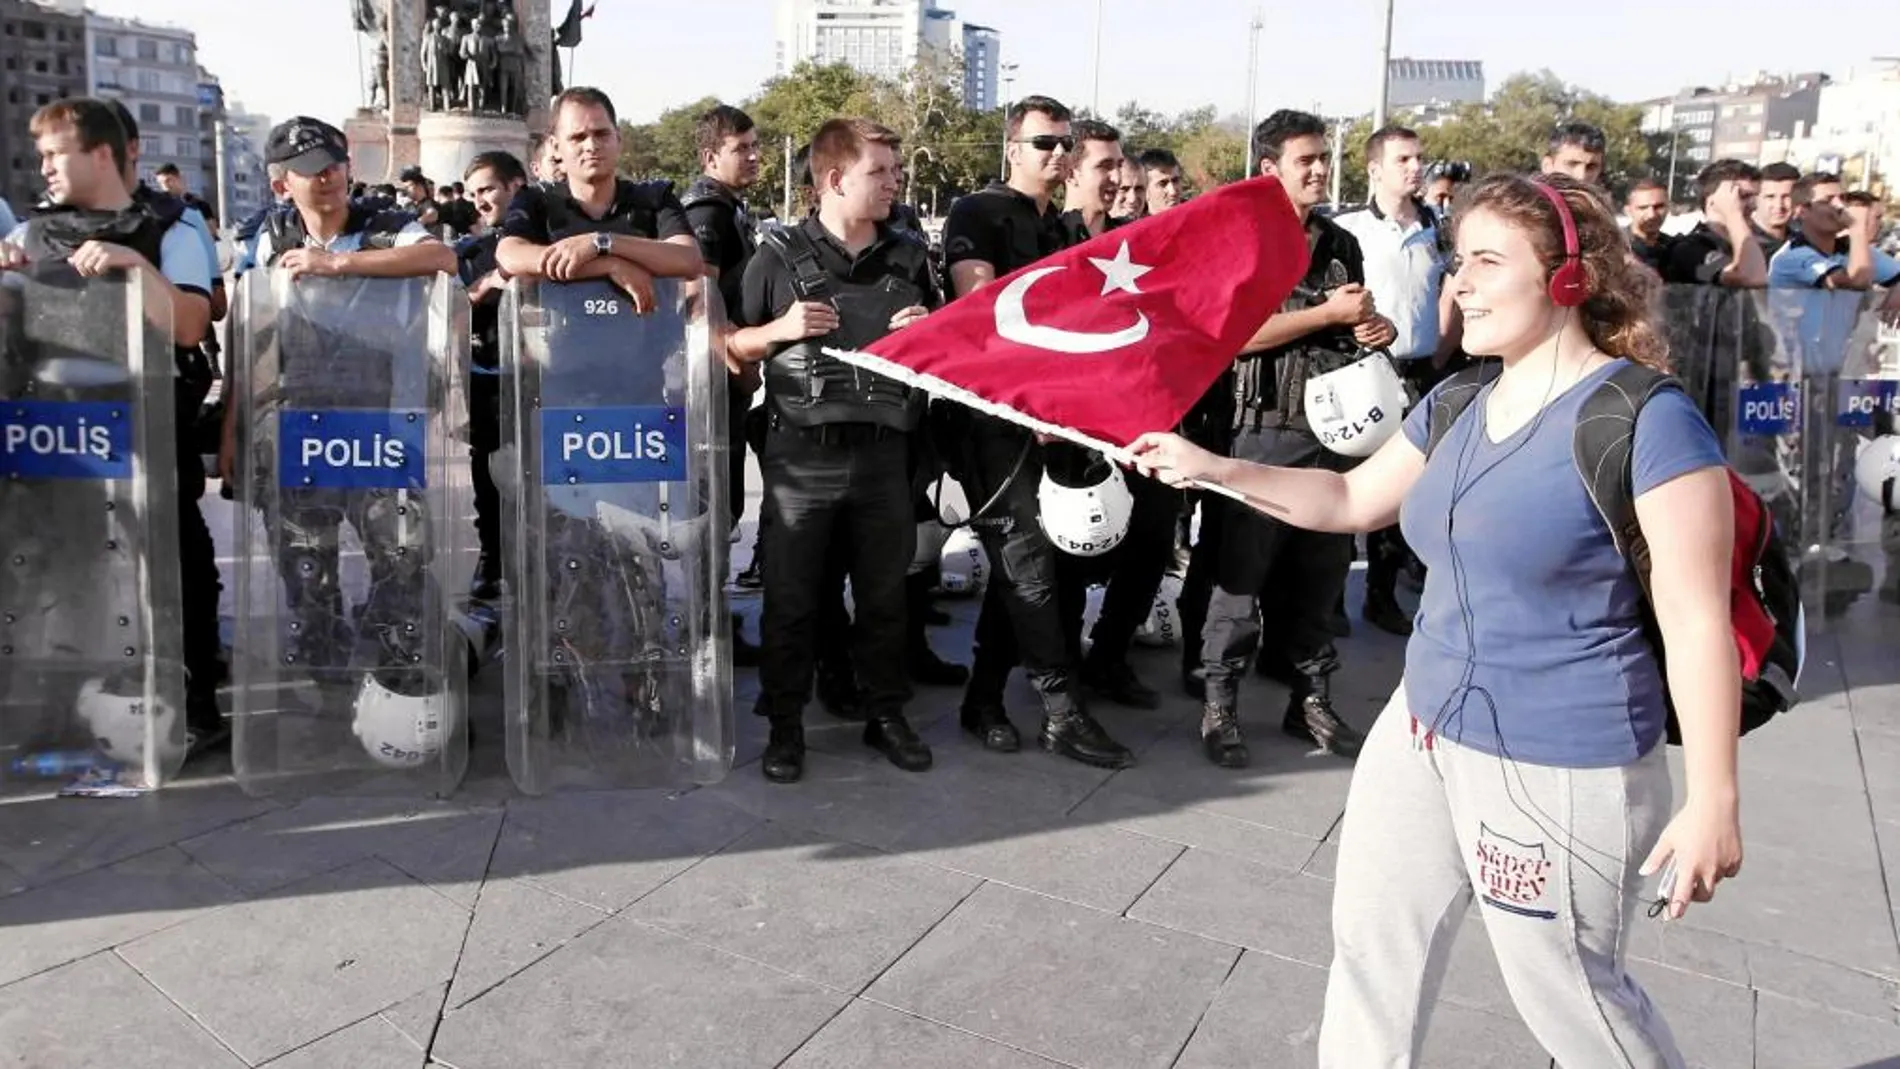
1552 855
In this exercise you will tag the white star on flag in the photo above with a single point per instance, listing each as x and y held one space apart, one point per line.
1121 273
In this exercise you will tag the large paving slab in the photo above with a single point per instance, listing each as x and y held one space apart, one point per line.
56 923
99 1012
835 913
632 996
869 1036
1060 980
274 974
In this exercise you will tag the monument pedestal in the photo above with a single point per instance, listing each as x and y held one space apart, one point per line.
448 142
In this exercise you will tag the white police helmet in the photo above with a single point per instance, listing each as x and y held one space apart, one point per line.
1877 470
399 730
121 723
1354 410
1163 626
1089 518
965 566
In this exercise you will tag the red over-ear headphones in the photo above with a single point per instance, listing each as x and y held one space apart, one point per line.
1568 286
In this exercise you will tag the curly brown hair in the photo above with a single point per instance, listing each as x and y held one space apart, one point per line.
1619 314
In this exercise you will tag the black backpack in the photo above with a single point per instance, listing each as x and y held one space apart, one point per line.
1765 610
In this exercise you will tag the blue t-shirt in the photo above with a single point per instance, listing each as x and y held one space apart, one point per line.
1529 641
1800 265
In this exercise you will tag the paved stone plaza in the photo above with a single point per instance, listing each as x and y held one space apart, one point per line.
997 912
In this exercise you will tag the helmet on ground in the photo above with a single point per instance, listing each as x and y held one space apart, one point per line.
1084 505
399 730
1877 470
965 566
1163 626
1354 410
121 723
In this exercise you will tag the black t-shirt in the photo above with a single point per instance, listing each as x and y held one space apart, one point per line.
1003 228
476 259
1336 261
1079 230
768 289
1653 255
1769 243
458 215
1698 258
545 215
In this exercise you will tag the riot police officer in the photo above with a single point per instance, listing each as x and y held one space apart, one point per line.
92 219
1309 568
596 224
493 179
836 456
989 234
715 206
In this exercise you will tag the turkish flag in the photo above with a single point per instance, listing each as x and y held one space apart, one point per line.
1118 336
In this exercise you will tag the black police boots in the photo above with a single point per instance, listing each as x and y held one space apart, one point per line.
1310 717
891 735
1069 731
784 760
989 722
1221 738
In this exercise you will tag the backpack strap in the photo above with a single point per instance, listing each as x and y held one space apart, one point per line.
1603 445
794 246
1450 400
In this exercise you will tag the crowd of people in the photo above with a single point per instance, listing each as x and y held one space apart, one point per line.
1521 759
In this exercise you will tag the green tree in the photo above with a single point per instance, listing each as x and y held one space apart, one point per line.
1511 132
666 147
795 106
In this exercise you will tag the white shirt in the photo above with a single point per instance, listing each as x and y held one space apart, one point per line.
1405 270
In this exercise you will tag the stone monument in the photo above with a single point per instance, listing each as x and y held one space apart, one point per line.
451 79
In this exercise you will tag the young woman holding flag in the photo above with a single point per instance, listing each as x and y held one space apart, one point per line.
1522 758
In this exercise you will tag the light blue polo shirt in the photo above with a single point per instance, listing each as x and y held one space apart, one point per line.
1800 265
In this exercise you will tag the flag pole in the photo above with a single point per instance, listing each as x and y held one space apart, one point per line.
943 389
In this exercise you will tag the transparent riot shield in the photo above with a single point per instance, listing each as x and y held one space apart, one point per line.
1850 382
1802 385
92 678
618 666
353 502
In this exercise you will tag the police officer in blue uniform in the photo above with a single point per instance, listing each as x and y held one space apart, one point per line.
836 456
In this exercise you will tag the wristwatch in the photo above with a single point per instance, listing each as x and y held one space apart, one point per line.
603 242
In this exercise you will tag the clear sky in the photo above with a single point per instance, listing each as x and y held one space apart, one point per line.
283 57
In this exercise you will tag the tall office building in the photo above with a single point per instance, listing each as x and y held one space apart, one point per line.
244 137
42 59
982 59
886 38
1433 84
153 70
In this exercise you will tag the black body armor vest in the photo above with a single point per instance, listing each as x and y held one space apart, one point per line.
805 387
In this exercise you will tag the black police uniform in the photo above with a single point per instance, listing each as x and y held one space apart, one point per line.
1654 255
1697 258
836 463
476 259
1133 570
1001 468
1308 568
727 240
546 214
55 233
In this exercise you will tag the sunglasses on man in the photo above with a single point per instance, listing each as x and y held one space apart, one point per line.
1048 142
